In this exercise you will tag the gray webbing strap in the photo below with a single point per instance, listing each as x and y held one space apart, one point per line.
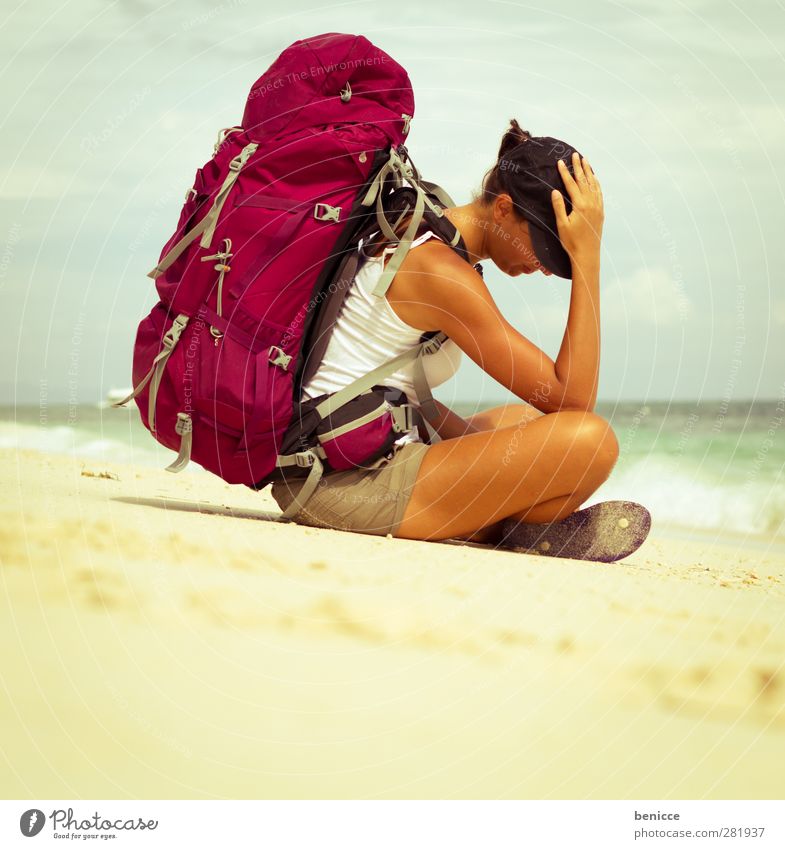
177 250
376 413
400 171
433 436
357 387
392 166
427 405
183 426
389 270
311 482
206 227
235 166
171 337
440 194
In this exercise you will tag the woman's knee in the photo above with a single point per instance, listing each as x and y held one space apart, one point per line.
589 437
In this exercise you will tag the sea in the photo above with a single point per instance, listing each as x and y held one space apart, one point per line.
711 466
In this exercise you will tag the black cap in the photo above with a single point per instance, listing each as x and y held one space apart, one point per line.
528 173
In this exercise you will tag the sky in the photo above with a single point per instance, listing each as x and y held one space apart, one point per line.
110 107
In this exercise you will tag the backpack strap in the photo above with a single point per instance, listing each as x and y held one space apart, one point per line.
399 170
362 384
206 227
311 458
154 375
184 428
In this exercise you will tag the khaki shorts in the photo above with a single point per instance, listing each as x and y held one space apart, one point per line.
365 501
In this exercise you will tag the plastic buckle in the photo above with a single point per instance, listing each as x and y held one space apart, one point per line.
432 345
402 418
305 459
183 424
329 213
281 359
237 163
174 332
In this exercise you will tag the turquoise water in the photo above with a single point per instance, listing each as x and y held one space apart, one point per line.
711 465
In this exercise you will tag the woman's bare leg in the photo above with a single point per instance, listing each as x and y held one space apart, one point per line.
541 470
507 415
518 416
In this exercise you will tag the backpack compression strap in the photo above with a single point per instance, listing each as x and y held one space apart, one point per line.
154 375
206 227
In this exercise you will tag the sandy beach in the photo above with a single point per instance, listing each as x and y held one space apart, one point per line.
165 637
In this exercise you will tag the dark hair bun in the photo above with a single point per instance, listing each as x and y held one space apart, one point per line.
512 137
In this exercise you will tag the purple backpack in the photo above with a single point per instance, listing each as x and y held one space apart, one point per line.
265 250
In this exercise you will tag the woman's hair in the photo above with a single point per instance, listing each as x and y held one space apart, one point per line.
493 183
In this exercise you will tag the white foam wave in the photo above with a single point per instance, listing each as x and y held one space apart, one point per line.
61 439
681 493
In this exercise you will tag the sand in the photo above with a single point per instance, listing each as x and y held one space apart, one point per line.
164 637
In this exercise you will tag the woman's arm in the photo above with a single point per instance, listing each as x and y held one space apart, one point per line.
578 361
449 424
458 302
580 235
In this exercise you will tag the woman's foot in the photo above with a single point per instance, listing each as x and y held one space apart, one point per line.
605 532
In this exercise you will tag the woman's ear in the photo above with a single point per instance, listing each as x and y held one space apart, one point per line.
502 208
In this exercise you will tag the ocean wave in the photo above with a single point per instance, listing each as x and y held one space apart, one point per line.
73 441
733 495
687 494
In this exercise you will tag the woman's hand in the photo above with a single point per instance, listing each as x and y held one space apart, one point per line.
581 231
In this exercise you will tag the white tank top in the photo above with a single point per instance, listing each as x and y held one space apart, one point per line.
367 333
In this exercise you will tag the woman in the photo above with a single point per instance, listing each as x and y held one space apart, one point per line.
517 473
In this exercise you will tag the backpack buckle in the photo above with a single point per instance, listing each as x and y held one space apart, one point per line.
242 157
402 418
183 424
281 359
305 459
433 345
327 212
172 335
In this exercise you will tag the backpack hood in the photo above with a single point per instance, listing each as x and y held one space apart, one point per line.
301 87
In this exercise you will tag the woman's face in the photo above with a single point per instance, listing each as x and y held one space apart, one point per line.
511 245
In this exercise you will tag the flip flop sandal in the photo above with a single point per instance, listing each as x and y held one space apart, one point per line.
604 532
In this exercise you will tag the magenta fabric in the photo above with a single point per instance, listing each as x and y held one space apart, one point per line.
355 447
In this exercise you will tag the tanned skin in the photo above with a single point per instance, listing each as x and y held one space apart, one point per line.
539 460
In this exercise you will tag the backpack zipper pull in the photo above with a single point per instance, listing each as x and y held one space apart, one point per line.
222 266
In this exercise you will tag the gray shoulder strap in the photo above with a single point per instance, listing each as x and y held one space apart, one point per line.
362 384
